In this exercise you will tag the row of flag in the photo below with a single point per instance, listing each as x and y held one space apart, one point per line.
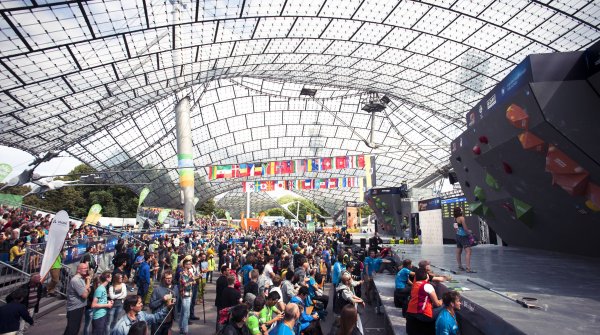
286 167
304 184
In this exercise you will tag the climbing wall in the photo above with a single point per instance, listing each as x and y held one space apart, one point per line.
529 161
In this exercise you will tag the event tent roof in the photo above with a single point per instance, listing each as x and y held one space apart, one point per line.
99 79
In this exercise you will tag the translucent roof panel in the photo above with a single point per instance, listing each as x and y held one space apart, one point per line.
99 78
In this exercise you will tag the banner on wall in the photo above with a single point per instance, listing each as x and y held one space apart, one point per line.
286 167
430 219
54 241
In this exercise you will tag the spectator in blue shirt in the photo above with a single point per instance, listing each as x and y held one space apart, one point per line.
307 324
402 277
246 270
326 256
403 284
446 321
101 305
372 264
338 269
292 313
143 276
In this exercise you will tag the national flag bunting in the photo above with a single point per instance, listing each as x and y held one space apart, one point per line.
287 167
304 184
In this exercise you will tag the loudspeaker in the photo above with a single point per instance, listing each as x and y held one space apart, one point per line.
452 178
363 243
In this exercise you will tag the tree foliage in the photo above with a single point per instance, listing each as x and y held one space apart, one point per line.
278 211
208 207
116 201
306 206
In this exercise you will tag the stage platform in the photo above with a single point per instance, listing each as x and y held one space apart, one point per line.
567 289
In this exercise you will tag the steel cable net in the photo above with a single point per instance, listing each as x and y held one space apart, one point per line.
99 79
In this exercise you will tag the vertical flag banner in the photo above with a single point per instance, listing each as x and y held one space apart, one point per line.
196 199
54 241
93 214
143 194
5 170
326 163
340 162
228 217
244 172
361 192
162 215
367 166
235 171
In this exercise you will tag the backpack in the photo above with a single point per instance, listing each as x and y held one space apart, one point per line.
340 302
223 317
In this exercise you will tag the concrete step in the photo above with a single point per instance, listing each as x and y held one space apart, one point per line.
50 304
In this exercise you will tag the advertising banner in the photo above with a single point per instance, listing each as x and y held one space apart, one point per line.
163 215
55 240
93 214
143 194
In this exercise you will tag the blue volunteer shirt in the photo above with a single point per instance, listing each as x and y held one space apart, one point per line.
446 324
338 269
246 273
372 265
402 278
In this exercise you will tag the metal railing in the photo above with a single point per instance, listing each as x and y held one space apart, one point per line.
11 278
34 259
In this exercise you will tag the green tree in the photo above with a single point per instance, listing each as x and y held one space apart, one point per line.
116 201
208 207
220 212
278 211
306 206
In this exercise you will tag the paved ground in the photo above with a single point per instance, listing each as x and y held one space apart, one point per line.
54 323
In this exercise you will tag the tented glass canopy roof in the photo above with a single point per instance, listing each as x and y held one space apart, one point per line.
100 78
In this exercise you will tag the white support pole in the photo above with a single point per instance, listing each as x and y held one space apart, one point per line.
248 204
185 156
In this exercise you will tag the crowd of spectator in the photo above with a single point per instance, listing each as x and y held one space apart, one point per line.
271 281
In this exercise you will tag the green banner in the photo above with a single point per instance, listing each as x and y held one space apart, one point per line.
5 170
228 216
143 194
11 200
310 226
163 215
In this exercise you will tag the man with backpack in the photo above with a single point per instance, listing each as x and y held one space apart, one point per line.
229 297
237 322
